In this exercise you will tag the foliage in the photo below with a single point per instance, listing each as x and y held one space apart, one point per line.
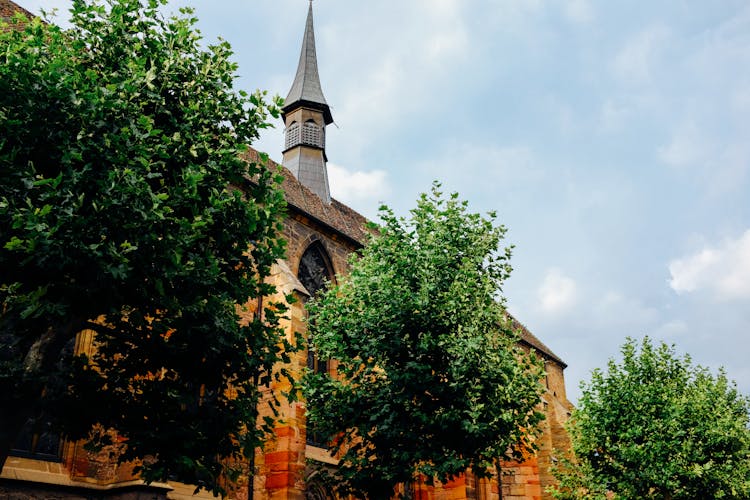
429 379
127 209
656 426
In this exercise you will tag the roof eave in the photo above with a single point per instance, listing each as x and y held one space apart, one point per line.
304 103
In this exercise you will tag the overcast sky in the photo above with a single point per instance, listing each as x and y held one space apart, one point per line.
612 138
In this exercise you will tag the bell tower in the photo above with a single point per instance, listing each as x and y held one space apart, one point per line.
306 115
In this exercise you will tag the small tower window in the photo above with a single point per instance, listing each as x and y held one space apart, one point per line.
292 135
312 134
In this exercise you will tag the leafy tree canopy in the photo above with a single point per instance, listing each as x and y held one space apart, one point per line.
126 209
655 426
429 379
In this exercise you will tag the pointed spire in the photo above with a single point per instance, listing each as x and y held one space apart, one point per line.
306 88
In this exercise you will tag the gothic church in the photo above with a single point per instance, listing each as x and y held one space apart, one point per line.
321 233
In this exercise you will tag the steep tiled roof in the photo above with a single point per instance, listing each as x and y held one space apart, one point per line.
8 9
336 216
532 341
344 220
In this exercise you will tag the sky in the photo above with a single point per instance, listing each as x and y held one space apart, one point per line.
611 137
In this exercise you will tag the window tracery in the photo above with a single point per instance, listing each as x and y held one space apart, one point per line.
315 273
316 491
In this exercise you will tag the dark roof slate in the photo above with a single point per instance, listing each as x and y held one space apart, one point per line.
532 341
306 88
337 216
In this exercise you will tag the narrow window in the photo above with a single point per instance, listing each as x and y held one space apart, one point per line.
292 135
314 273
40 442
315 490
312 134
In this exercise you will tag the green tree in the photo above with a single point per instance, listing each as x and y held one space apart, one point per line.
126 208
429 378
654 426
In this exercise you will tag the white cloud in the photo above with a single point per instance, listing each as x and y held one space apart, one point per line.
355 186
706 91
399 70
671 330
499 166
687 147
579 11
614 309
442 8
447 37
721 164
733 166
516 10
722 270
635 61
446 45
723 46
613 114
557 292
373 100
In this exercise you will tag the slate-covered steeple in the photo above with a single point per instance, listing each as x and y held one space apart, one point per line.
306 114
306 88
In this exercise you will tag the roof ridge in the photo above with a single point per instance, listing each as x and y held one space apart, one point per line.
533 341
9 7
338 216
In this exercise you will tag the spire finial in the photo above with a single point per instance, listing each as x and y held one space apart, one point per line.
306 87
306 115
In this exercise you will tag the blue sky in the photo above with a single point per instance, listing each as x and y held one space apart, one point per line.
612 138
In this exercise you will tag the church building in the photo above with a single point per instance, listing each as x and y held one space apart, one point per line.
321 232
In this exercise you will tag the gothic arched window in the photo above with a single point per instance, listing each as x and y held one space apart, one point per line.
314 273
43 443
314 490
314 268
